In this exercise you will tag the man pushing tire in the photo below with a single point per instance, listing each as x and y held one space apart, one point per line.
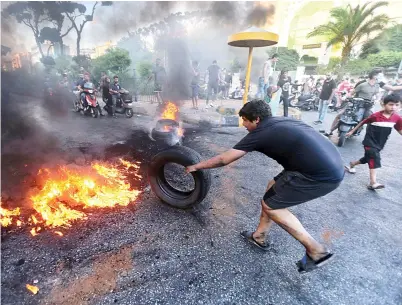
312 168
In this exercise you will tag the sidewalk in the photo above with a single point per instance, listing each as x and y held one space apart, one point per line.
225 112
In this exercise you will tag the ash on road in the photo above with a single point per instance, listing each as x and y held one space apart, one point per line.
149 253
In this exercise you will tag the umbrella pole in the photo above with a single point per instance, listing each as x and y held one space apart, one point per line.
250 59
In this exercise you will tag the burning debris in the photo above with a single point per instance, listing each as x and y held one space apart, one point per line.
32 288
168 128
63 194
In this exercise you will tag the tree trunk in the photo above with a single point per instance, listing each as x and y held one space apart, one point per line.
61 47
78 43
344 59
39 46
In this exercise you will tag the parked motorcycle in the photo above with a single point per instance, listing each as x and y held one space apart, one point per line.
124 104
352 116
305 102
92 108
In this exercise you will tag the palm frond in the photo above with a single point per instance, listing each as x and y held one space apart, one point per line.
368 11
329 29
370 26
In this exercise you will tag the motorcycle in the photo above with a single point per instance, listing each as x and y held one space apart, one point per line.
352 116
343 100
124 104
305 102
92 108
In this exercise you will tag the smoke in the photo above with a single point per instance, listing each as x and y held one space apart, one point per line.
261 15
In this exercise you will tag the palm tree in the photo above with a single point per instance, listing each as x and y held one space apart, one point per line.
350 25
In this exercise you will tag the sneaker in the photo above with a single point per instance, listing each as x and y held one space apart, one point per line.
212 105
317 122
350 169
328 134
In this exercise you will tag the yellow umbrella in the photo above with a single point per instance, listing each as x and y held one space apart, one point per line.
251 38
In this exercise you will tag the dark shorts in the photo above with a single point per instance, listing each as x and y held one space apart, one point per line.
372 157
292 188
195 90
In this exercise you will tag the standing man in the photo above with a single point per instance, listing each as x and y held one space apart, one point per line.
114 91
396 87
102 81
266 73
285 82
311 171
195 84
213 83
228 84
326 95
159 75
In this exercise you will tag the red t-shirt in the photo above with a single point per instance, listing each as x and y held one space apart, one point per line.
379 128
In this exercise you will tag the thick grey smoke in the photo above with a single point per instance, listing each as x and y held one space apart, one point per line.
260 15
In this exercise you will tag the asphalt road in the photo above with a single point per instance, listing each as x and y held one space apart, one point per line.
149 253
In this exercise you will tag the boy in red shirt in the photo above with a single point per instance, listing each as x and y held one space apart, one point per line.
378 130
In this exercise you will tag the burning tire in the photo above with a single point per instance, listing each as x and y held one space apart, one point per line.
162 186
166 131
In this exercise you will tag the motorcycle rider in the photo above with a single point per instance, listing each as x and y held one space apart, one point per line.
366 90
80 85
114 91
396 87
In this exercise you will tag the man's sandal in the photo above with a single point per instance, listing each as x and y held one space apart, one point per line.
248 235
307 264
375 187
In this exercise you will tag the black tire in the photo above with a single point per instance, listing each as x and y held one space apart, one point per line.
76 106
164 191
129 113
342 138
94 112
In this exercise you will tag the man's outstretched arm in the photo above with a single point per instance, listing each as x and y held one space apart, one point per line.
220 160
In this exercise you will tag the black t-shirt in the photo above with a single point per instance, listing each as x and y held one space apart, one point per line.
213 74
326 90
379 128
284 83
297 147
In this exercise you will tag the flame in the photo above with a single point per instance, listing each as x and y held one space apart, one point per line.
66 192
7 216
180 132
32 288
170 112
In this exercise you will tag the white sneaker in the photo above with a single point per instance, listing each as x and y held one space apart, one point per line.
212 105
350 169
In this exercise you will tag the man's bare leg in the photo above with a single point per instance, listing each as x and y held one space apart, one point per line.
289 222
261 233
373 177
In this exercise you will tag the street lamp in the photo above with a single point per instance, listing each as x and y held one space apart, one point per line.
251 38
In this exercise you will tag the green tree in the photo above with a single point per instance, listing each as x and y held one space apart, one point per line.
144 69
63 63
358 67
75 12
235 65
288 59
385 59
388 40
334 63
350 25
32 14
115 61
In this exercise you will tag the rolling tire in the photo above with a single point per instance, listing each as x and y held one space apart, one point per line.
94 112
164 191
129 113
342 138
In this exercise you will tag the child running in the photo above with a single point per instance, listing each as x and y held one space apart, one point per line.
378 130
